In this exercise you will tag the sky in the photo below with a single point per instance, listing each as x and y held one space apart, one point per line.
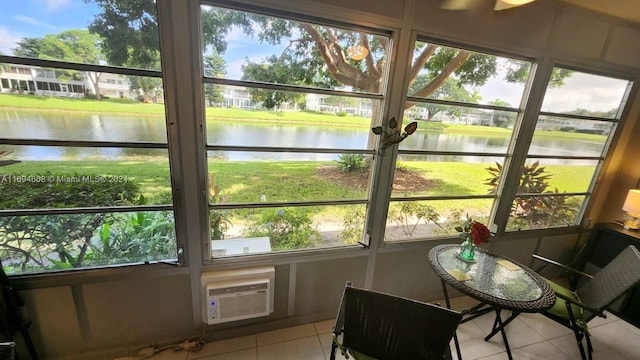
36 18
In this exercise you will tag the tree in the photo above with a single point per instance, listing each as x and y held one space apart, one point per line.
275 70
451 89
503 119
74 45
129 30
317 55
214 66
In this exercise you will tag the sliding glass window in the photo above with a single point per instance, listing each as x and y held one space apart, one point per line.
84 162
289 108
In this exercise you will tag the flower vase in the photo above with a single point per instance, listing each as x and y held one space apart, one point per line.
468 250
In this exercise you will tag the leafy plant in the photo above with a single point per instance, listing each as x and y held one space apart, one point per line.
218 219
409 214
289 228
534 211
352 225
351 162
58 241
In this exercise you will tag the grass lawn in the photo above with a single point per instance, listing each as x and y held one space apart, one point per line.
247 181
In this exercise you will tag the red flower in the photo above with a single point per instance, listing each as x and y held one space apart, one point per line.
480 233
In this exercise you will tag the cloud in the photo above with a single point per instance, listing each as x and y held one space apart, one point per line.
54 5
8 41
34 22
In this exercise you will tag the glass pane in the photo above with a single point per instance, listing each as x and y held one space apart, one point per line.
57 177
62 242
119 116
540 212
476 78
419 219
557 175
240 121
443 175
268 49
245 177
93 32
584 94
456 128
570 137
251 231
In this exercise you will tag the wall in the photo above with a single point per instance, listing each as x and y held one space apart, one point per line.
110 313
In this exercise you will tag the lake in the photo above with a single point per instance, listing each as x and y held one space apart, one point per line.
131 128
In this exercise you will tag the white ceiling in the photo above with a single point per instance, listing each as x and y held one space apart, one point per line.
624 9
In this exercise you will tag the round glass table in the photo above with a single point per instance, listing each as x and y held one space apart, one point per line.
496 281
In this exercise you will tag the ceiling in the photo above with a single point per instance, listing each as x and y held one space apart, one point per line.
624 9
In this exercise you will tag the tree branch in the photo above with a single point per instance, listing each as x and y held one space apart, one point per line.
420 61
371 66
337 64
452 66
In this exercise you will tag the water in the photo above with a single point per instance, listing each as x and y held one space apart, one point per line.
132 128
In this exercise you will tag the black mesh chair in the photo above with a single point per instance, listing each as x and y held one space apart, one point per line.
380 326
576 306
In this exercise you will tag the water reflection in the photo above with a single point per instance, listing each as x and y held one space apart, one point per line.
135 128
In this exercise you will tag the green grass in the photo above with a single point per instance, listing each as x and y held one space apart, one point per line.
247 181
51 103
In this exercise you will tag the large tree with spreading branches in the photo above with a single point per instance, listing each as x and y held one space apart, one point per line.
315 55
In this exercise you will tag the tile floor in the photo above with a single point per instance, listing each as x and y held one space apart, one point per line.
531 336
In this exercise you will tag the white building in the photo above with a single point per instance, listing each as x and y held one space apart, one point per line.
49 82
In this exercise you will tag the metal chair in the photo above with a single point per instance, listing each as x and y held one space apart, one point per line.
575 307
374 325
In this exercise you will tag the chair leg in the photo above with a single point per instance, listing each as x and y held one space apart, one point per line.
589 346
333 351
578 332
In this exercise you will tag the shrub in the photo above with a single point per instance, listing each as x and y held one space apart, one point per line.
38 242
534 211
353 225
351 162
409 214
289 228
342 113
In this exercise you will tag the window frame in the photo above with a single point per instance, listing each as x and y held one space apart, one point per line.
46 65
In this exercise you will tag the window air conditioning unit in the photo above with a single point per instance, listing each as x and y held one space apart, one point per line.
239 294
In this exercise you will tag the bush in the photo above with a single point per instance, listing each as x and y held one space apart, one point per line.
351 162
353 225
535 211
59 241
342 113
287 229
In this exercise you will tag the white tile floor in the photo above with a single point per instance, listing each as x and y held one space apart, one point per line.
531 336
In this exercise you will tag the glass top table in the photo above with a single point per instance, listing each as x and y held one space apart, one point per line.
496 281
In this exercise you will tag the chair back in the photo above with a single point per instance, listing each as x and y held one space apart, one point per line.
390 327
618 276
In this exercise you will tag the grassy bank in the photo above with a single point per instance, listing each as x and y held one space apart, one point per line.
120 106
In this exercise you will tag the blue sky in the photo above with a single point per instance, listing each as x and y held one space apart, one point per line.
36 18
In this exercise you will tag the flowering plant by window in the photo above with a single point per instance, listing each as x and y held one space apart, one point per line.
473 233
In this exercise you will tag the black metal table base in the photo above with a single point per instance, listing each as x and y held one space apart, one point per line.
477 311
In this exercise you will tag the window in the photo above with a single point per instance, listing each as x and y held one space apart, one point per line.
466 122
89 183
288 131
5 84
579 114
